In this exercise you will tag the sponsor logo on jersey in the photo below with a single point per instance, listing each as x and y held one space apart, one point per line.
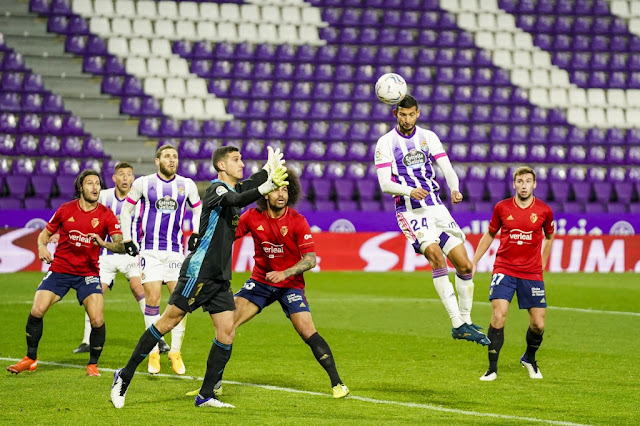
272 249
166 204
520 236
284 230
260 228
235 220
533 217
302 305
378 154
307 236
294 298
71 219
79 239
414 159
221 190
92 280
181 190
510 217
95 222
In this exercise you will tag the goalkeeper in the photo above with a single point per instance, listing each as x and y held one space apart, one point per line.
206 273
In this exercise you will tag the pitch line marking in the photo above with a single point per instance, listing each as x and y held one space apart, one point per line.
358 398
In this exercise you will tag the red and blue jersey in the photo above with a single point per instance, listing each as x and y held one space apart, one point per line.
279 243
76 253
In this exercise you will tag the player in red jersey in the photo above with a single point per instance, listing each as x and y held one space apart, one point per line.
83 224
526 231
284 250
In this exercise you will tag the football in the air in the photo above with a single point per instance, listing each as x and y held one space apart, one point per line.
391 88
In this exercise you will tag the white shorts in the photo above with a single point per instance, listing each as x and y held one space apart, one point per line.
111 264
159 265
426 225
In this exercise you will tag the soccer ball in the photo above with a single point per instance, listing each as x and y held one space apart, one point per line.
391 88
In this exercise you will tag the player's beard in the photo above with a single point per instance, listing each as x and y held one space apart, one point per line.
276 208
89 197
408 129
521 198
166 171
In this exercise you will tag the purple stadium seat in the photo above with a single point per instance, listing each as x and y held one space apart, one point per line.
33 83
27 145
52 124
189 149
12 81
32 102
50 146
13 61
132 86
93 147
572 207
22 166
71 146
40 6
42 185
10 101
73 125
46 167
11 204
58 24
131 105
8 123
69 167
30 123
112 85
169 127
188 168
617 208
7 146
206 171
114 66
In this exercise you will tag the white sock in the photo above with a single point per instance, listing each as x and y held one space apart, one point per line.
87 328
141 302
447 295
177 335
151 315
464 287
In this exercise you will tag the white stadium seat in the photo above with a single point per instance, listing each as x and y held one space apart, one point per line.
154 86
617 98
523 41
172 107
82 7
288 33
168 10
118 46
125 8
521 77
136 66
193 108
596 117
103 8
228 31
267 33
142 28
504 41
146 9
560 78
100 26
541 59
578 97
634 9
539 96
503 58
309 35
487 21
596 98
165 28
522 59
506 22
186 30
175 86
139 47
540 78
189 10
577 116
214 108
615 117
161 47
247 31
291 15
468 21
209 11
558 98
178 67
250 13
311 16
488 5
206 30
620 8
485 39
157 67
230 12
197 87
271 14
121 26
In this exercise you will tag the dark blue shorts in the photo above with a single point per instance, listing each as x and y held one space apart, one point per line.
531 293
60 284
292 300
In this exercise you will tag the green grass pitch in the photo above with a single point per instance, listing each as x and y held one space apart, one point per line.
390 337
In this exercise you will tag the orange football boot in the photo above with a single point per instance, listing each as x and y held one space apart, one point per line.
92 370
25 363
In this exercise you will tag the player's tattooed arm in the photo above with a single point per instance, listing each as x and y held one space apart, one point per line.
115 245
307 262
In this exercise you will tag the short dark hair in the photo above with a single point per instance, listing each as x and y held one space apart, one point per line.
524 170
164 148
122 165
77 184
221 153
294 189
408 102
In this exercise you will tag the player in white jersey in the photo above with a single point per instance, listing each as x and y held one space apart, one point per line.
164 198
404 160
112 263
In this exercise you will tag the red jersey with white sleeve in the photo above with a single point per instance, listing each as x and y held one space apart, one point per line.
76 254
521 234
279 243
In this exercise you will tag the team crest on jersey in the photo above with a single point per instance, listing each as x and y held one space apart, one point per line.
95 222
181 190
423 145
414 159
284 230
533 217
221 190
71 219
166 204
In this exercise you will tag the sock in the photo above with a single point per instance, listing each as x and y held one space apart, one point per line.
323 354
217 361
96 342
496 335
447 295
147 342
177 335
534 341
34 333
87 328
151 315
464 287
141 302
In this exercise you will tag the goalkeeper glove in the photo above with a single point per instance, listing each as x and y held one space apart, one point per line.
130 248
194 240
276 179
274 159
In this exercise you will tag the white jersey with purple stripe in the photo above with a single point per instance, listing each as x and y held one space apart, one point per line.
411 159
163 208
109 198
